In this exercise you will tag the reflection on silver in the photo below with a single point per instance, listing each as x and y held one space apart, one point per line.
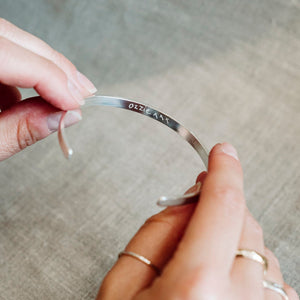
255 256
275 287
154 114
142 259
180 200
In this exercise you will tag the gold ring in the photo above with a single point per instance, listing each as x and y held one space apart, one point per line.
253 255
141 259
275 287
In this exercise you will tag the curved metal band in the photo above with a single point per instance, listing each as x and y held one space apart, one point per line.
150 112
275 287
255 256
141 259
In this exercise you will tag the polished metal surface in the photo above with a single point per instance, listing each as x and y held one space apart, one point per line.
154 114
141 259
255 256
275 287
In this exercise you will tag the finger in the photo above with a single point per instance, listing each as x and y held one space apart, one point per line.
292 294
35 45
27 122
213 234
247 275
20 67
156 241
8 96
273 275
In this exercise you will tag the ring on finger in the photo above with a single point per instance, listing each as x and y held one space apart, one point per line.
253 255
142 259
277 288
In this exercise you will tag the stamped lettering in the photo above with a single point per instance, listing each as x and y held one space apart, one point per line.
149 112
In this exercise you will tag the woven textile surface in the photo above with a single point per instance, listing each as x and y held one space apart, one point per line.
227 70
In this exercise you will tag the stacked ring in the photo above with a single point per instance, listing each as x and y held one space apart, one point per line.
142 259
275 287
255 256
246 253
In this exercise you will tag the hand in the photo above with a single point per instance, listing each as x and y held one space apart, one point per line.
195 246
28 62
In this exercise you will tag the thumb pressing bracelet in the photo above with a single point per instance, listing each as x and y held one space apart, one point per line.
151 113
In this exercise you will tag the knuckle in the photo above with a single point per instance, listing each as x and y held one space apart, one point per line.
154 218
200 283
159 218
231 196
61 61
24 134
49 66
57 57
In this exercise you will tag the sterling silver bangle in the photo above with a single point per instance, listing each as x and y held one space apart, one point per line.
155 114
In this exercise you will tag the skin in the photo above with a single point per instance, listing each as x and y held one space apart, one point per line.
28 62
193 245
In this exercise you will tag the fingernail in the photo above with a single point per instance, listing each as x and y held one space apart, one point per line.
86 83
75 92
71 118
227 149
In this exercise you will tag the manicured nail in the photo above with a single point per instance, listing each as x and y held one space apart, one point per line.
227 149
86 83
75 92
71 118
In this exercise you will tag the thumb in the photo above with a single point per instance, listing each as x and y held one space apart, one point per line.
28 122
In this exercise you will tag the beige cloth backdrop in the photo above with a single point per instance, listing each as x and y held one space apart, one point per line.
228 70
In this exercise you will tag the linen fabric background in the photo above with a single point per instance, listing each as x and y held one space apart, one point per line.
227 70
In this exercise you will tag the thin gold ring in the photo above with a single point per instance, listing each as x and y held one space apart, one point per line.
142 259
255 256
275 287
